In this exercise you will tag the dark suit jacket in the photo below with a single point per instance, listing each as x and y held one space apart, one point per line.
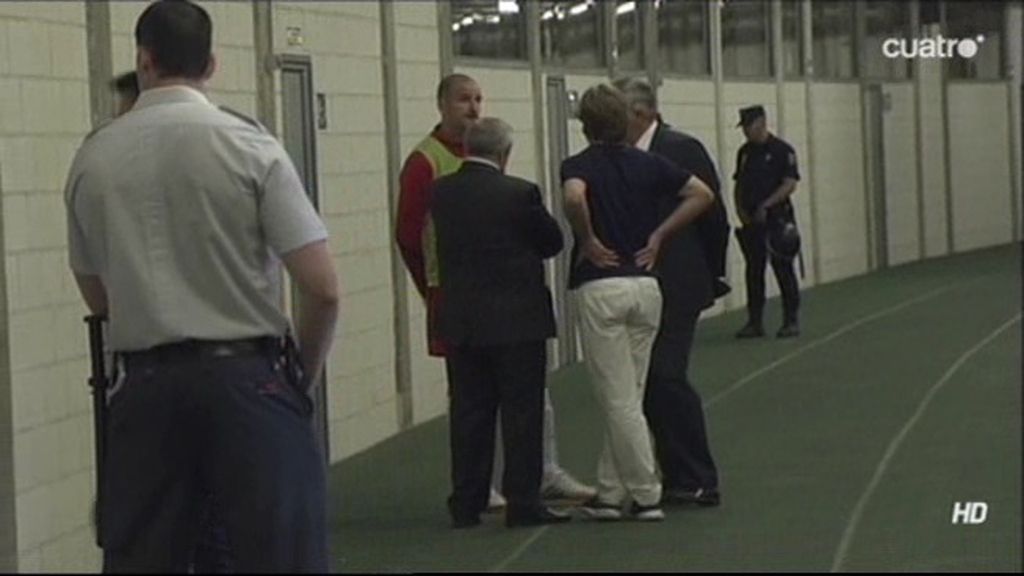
695 256
493 234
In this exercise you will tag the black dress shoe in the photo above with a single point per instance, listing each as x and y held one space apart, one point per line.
788 330
535 517
706 497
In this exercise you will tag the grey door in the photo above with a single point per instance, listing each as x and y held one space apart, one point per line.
875 101
299 138
558 112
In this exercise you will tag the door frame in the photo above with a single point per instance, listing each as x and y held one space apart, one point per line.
303 66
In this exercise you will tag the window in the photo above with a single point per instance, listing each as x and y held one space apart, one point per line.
885 19
746 30
982 20
683 37
834 25
572 34
629 29
493 29
792 38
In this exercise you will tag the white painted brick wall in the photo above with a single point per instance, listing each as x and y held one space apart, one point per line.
44 100
344 45
901 174
839 180
980 165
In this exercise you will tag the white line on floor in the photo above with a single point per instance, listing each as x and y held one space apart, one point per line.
858 511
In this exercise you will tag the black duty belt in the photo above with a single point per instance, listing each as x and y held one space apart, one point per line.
205 349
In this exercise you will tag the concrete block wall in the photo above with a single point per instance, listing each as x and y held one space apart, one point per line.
419 71
980 165
902 210
839 180
45 114
508 94
795 131
343 43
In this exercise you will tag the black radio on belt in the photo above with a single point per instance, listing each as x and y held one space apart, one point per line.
293 363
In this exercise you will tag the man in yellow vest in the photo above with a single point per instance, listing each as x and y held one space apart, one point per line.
460 102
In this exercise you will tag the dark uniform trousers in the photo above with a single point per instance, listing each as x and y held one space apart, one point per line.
753 242
480 380
183 427
674 410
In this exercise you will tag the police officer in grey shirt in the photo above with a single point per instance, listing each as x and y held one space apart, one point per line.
179 217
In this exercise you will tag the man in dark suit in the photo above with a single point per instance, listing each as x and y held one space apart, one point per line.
493 234
691 273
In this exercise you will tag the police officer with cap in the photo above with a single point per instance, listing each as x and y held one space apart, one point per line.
180 215
766 176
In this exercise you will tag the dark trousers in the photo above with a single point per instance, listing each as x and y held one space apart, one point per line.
674 410
480 381
755 251
184 429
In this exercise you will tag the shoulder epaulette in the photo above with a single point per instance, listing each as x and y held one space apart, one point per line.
247 119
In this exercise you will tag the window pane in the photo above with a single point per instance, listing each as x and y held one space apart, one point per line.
833 39
489 29
683 36
792 37
969 21
629 23
746 26
885 19
571 34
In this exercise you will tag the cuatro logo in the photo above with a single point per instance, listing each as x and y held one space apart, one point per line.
937 47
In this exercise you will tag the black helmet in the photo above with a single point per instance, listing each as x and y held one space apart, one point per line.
783 239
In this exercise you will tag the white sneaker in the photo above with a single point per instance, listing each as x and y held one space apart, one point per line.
496 501
595 509
560 485
646 513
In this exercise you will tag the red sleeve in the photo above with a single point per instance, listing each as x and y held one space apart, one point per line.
413 203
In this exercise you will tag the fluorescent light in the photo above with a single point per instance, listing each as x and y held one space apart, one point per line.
508 7
477 17
467 21
456 26
625 8
548 15
493 19
578 9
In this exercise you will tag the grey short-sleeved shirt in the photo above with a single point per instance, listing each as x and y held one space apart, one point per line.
183 210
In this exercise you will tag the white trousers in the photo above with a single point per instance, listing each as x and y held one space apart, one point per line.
619 319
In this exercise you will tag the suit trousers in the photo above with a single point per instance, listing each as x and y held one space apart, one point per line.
674 409
482 380
549 452
618 322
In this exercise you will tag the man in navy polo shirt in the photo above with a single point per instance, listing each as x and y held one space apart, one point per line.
612 193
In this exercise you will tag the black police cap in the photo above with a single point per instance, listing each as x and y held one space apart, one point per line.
749 114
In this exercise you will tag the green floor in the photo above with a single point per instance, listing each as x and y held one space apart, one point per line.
799 429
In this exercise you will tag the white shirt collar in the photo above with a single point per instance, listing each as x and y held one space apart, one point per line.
644 143
480 160
169 95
